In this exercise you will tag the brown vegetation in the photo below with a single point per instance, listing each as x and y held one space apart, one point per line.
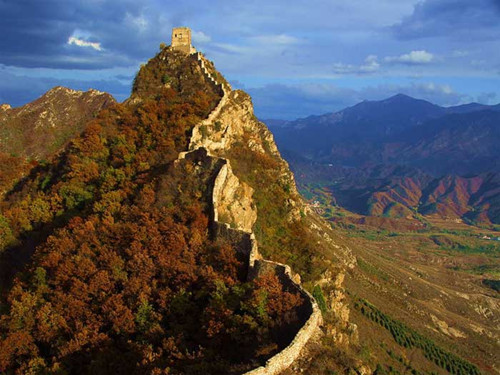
124 277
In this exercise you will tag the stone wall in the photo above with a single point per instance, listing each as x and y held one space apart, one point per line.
309 313
287 356
233 216
245 243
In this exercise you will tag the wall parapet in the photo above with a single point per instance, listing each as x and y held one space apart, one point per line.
245 243
283 359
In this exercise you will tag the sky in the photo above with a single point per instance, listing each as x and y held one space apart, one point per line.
296 58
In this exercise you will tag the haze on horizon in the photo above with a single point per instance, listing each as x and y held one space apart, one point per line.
294 58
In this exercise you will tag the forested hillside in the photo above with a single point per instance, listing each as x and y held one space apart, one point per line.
118 272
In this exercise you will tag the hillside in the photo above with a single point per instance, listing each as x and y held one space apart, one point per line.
39 129
400 191
432 274
141 247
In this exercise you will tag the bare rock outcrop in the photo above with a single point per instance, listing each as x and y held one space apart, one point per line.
233 200
233 122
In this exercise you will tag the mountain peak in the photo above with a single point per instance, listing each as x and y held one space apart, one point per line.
62 89
45 125
67 91
402 98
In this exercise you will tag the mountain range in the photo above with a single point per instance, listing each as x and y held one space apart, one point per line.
401 155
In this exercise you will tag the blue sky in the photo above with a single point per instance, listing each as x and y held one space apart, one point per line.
295 58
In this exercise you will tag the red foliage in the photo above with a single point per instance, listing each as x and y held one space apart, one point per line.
130 281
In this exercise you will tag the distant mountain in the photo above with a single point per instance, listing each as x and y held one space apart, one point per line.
472 107
38 129
275 123
399 130
465 143
475 198
401 155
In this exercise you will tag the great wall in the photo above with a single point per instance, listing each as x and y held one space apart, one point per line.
232 219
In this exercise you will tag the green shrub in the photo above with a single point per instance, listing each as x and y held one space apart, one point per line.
203 131
320 299
75 196
165 79
493 284
218 126
6 235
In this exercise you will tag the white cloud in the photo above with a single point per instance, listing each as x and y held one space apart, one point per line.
83 43
413 58
231 48
200 37
370 65
432 87
478 63
140 22
487 98
341 68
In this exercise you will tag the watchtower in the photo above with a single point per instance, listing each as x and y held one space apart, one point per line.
181 40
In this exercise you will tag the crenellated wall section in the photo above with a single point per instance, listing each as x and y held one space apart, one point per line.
233 216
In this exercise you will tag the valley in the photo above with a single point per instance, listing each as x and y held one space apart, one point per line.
413 190
437 276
